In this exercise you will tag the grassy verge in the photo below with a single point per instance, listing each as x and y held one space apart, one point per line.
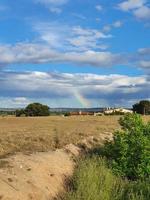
94 181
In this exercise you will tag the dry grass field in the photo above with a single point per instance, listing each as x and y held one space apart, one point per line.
46 133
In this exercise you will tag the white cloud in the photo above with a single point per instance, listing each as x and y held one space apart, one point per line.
20 101
145 64
80 16
34 53
144 51
117 24
107 28
52 2
98 19
99 7
144 59
139 8
142 13
54 6
55 10
17 102
131 4
71 38
103 59
86 39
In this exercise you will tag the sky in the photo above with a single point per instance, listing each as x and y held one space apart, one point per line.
74 53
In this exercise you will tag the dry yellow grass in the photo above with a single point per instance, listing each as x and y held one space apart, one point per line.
45 133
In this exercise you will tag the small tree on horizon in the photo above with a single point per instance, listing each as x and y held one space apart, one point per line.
143 107
37 109
34 109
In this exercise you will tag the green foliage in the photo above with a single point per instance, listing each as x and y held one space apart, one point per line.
34 109
67 114
129 151
37 109
143 107
20 113
115 113
5 113
94 181
129 155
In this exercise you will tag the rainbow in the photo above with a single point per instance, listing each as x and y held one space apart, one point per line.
81 99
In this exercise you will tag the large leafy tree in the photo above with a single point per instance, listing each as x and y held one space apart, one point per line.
37 109
34 109
143 107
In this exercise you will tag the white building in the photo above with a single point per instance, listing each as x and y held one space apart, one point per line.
119 110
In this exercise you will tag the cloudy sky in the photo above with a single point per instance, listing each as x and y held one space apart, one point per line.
81 53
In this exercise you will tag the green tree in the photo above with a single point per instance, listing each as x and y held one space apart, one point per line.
143 107
34 109
20 113
129 151
37 109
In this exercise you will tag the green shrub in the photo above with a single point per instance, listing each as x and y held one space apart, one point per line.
129 151
20 113
67 114
93 180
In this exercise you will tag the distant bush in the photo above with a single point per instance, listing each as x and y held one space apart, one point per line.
20 113
115 113
34 109
5 113
129 151
67 114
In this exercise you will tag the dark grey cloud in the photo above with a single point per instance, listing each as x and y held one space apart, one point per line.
59 86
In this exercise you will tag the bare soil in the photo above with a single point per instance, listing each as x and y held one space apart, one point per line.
40 176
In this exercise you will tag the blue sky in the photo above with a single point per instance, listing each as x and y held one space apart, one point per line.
81 53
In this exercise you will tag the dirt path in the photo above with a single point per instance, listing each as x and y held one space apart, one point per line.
38 176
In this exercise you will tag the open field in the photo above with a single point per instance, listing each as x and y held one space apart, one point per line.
44 175
46 133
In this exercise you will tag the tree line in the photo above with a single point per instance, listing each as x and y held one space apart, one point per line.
37 109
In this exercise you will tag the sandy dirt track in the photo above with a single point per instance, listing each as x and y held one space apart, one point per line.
41 176
38 176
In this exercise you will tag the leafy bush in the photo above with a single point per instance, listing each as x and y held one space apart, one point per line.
115 113
20 113
67 114
129 151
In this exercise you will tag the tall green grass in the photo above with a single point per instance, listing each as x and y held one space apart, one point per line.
93 180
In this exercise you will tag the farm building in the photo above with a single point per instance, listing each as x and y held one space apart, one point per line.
117 110
81 113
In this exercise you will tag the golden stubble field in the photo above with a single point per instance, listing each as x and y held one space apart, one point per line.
44 133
